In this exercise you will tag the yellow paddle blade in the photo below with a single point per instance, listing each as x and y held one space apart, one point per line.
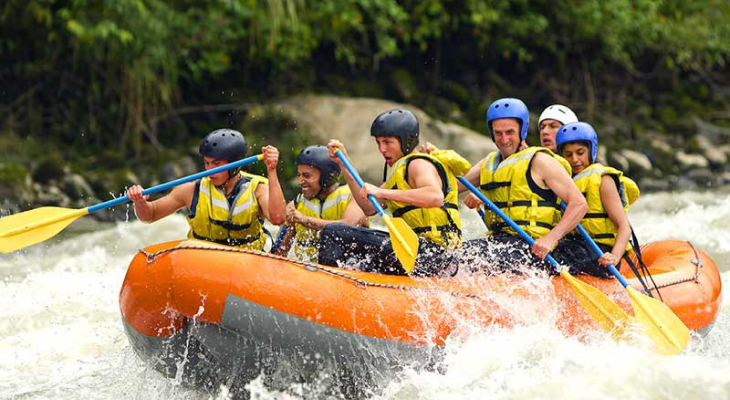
661 324
404 240
34 226
609 316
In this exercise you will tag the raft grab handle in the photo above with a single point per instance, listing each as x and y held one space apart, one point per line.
696 277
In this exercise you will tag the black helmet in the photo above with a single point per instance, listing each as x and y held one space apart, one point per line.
224 144
318 157
399 123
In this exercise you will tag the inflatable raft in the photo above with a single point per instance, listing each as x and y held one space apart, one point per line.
220 315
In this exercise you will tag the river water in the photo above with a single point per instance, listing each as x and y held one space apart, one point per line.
61 336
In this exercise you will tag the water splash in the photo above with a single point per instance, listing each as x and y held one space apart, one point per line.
61 335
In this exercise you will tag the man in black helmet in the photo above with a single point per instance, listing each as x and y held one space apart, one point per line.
228 207
420 188
323 201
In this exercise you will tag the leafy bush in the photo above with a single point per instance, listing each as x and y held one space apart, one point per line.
12 174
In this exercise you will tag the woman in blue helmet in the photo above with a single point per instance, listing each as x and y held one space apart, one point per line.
608 192
228 207
323 201
527 186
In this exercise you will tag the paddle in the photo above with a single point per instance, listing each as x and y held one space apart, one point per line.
34 226
481 215
609 316
664 328
402 237
279 238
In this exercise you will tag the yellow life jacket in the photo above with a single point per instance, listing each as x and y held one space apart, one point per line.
440 225
306 240
596 221
212 218
563 162
506 183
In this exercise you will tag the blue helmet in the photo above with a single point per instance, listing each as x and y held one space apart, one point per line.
578 132
509 108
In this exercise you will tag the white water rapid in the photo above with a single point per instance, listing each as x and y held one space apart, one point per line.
61 335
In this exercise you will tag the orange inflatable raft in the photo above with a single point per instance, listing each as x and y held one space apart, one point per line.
217 314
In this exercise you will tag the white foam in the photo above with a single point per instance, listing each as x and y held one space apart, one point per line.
61 336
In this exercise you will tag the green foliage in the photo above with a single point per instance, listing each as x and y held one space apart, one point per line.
12 174
681 34
361 32
121 81
266 126
48 169
456 92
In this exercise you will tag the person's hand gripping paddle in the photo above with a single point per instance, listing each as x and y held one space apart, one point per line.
34 226
404 240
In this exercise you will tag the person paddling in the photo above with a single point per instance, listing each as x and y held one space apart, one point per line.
608 192
323 201
526 185
228 207
419 188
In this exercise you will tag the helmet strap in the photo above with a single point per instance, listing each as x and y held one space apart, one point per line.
231 174
316 195
325 191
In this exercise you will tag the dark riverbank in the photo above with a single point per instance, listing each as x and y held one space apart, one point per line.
96 97
35 174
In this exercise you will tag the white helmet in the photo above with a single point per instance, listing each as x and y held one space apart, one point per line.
558 112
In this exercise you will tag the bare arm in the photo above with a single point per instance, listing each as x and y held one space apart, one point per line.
353 216
151 211
364 203
549 174
424 180
472 176
615 210
270 197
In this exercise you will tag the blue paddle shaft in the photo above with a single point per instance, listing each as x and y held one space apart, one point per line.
505 218
359 181
176 182
279 238
598 251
